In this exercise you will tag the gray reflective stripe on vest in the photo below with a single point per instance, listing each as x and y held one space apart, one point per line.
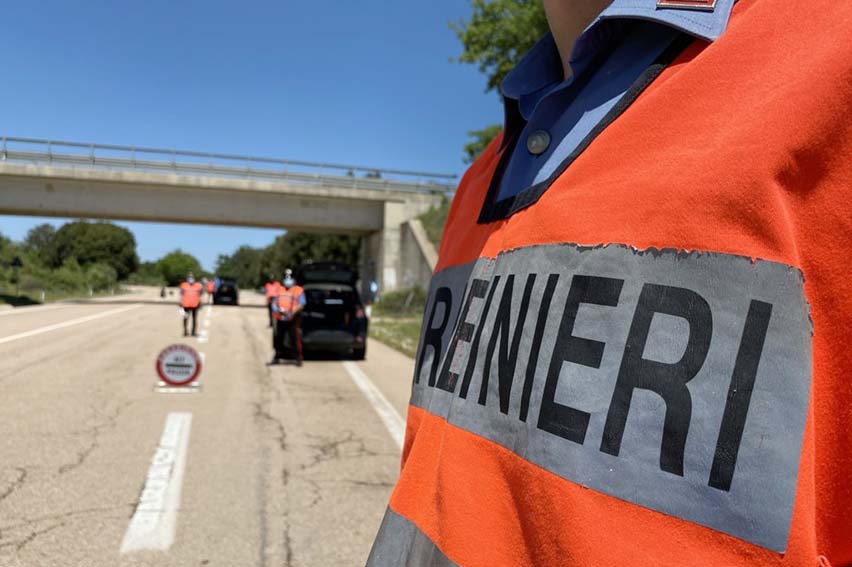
675 381
400 543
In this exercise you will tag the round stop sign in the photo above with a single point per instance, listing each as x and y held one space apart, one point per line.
178 365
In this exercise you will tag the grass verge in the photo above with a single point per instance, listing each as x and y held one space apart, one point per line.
399 333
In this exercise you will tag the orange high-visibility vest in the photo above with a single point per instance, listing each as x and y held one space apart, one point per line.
648 362
272 289
190 294
288 299
211 286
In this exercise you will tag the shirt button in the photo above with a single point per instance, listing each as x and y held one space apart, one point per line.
537 142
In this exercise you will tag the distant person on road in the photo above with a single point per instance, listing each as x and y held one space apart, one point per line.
374 291
272 288
287 312
190 300
211 288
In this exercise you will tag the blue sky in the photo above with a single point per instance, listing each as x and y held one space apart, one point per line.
367 82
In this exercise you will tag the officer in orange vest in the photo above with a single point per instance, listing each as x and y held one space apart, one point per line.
211 288
636 342
190 301
272 287
287 310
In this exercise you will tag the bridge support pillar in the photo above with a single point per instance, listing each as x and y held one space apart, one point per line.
380 251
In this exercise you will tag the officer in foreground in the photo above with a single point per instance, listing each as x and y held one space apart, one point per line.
190 301
287 310
635 348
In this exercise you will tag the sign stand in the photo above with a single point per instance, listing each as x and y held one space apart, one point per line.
178 367
164 388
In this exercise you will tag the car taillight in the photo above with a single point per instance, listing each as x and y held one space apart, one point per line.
359 313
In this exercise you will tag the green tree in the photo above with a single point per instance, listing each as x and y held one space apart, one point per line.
294 249
479 141
90 243
39 241
434 220
69 277
244 266
148 273
7 250
100 276
175 265
497 35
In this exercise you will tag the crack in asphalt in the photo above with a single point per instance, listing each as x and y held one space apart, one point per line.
261 413
331 449
368 483
64 516
95 433
56 521
264 418
22 543
16 484
305 455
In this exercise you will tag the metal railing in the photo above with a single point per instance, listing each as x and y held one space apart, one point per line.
109 156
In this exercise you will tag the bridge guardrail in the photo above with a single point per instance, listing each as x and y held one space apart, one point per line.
105 156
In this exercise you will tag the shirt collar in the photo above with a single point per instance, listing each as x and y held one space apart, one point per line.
541 68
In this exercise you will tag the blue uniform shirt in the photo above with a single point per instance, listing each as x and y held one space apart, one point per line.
555 115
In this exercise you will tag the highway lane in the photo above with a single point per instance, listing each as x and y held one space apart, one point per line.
284 465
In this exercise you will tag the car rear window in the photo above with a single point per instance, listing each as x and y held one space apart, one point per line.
331 294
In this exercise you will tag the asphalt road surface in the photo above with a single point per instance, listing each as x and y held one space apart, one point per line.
264 466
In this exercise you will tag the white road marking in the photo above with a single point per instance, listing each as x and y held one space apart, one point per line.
389 416
153 523
204 335
67 324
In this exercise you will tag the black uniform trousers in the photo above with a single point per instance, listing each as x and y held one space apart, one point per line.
283 330
190 312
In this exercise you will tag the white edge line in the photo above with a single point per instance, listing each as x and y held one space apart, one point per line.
389 416
64 324
155 518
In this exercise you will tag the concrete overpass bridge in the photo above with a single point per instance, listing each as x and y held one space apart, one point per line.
71 179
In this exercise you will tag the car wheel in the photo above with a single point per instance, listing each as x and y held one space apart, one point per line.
359 353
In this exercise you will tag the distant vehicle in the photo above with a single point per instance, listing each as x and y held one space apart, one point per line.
333 318
226 293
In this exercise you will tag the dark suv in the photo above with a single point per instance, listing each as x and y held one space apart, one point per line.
226 292
333 318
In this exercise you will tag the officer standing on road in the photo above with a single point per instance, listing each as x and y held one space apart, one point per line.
635 348
287 310
211 289
190 301
272 287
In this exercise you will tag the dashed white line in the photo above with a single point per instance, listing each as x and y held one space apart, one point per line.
389 416
153 523
204 335
69 323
